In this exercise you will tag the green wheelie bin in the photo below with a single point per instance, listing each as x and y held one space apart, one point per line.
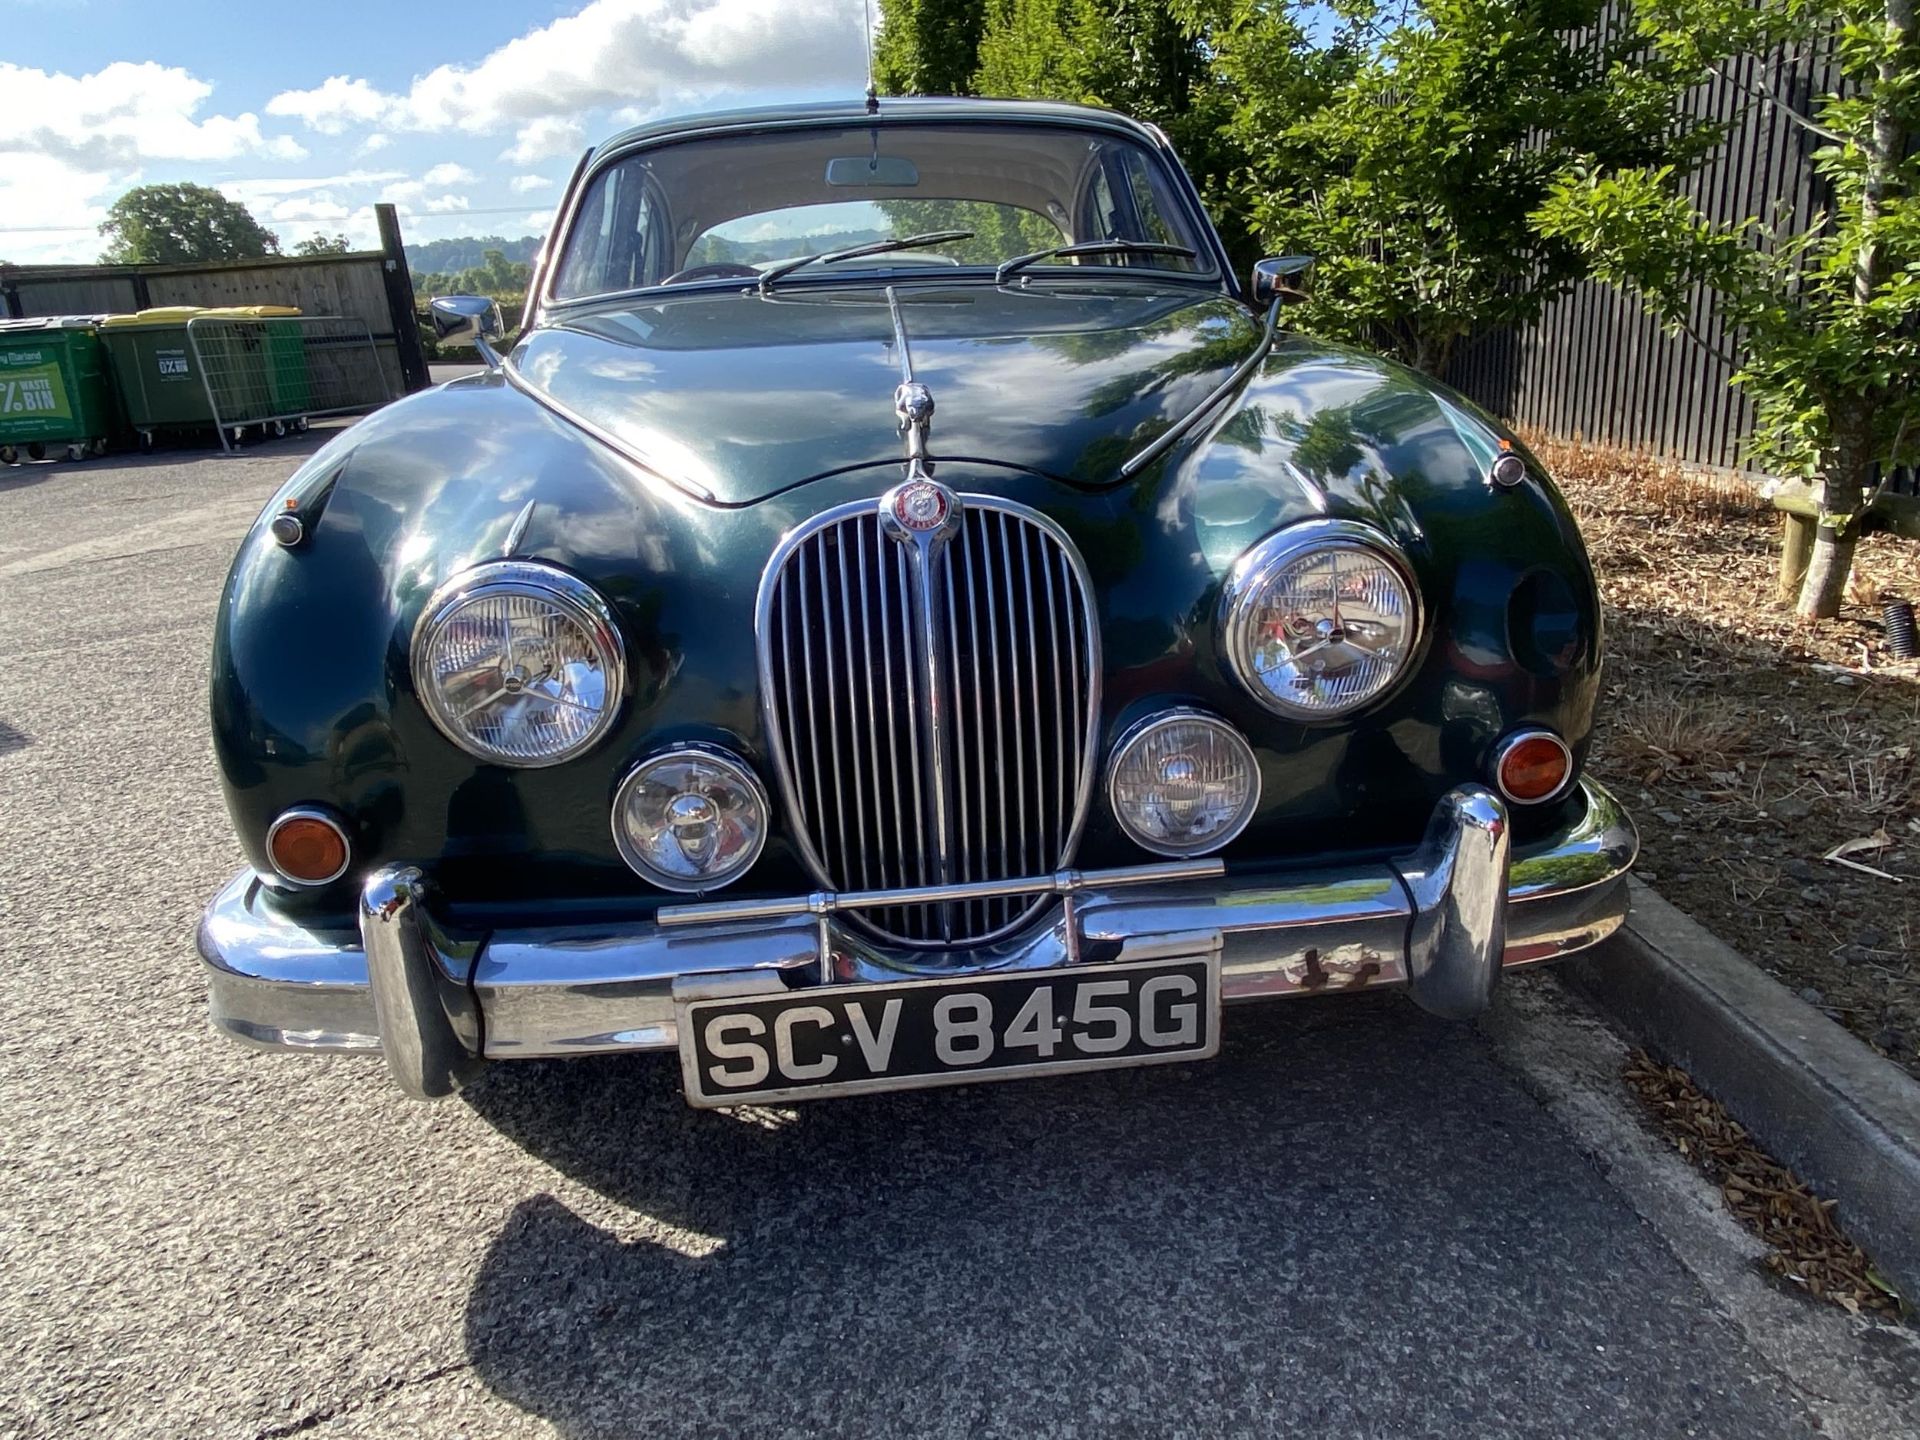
289 385
153 369
264 352
54 393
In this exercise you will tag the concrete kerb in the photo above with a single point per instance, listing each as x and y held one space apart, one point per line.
1847 1120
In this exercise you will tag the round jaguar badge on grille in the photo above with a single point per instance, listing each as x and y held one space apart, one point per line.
921 505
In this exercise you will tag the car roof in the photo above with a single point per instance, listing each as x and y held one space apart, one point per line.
894 109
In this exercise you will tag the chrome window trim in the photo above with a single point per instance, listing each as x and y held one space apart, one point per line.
542 581
1250 574
1505 746
723 758
1146 726
810 857
325 817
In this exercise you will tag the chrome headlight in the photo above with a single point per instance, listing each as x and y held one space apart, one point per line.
519 663
1320 619
1183 783
692 818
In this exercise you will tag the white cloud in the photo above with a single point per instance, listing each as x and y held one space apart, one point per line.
321 209
50 209
543 139
640 55
445 204
125 113
538 220
296 207
333 105
527 184
441 176
72 142
272 188
375 143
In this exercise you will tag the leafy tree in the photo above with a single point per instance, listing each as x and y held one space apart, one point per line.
169 224
322 245
1828 321
496 275
445 257
1408 151
928 47
999 231
1137 56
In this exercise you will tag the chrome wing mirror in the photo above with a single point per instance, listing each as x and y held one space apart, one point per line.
468 320
1282 278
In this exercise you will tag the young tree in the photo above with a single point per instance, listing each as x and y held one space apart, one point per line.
168 224
1828 320
1407 149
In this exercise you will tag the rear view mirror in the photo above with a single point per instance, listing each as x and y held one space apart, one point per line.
1284 276
461 319
467 320
860 170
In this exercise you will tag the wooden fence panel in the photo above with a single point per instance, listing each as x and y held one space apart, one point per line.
78 295
353 286
370 286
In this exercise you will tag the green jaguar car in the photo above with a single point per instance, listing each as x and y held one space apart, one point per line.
904 612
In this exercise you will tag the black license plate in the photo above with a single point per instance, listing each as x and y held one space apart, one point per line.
849 1039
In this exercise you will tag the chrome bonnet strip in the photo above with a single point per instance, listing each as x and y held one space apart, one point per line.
1164 441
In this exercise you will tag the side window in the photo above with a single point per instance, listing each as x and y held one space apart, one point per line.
1097 220
617 239
644 266
1124 198
1149 206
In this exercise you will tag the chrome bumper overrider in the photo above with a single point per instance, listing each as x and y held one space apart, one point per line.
1443 921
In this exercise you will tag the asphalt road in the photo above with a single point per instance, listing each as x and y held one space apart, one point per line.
1358 1221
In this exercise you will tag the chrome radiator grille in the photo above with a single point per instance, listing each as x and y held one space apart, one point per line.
931 708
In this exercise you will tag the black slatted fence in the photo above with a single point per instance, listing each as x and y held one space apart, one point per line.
1597 368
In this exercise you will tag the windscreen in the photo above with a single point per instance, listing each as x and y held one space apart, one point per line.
734 205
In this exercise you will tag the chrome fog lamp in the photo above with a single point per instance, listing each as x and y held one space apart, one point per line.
519 663
1183 783
1320 619
689 819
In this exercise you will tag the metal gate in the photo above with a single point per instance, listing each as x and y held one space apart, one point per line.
276 372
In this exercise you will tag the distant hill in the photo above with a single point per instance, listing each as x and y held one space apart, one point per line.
784 247
447 262
430 257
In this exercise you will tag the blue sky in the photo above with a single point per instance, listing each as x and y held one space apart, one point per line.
468 116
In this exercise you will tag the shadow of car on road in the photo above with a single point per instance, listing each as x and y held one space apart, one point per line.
1353 1219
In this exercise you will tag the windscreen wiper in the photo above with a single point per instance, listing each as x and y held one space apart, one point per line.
1090 247
854 252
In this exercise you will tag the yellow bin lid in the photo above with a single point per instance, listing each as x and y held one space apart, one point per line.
250 312
161 315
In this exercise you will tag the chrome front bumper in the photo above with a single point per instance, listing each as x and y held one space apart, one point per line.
1443 921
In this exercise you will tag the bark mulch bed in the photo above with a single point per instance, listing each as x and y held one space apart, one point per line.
1751 746
1805 1247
